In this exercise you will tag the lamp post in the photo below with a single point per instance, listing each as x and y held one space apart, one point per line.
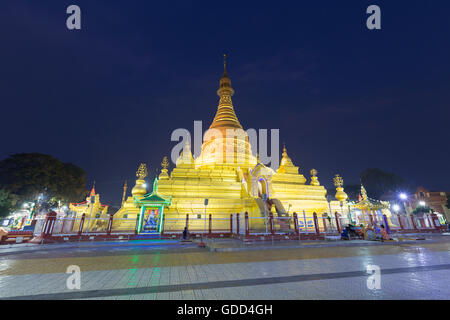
403 197
396 209
264 197
202 244
204 225
350 217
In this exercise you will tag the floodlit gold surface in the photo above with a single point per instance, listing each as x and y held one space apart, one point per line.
232 179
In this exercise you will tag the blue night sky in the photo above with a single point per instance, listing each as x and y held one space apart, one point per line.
345 98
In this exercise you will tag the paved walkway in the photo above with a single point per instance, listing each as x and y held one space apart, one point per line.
151 270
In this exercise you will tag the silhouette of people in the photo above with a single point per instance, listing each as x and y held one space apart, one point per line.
185 234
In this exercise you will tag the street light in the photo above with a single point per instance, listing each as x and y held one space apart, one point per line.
422 203
202 244
264 197
403 197
396 207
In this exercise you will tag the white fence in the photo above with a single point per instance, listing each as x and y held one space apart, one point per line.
67 226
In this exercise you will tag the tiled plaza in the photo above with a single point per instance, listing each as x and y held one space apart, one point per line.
165 270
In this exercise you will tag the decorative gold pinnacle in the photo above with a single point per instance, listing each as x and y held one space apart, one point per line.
363 192
224 62
165 163
125 187
225 116
142 171
338 181
314 179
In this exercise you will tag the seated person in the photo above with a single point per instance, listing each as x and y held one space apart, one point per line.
384 233
370 234
345 234
361 231
378 234
352 231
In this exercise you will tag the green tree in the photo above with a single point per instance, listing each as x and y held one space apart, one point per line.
7 202
421 209
377 182
27 175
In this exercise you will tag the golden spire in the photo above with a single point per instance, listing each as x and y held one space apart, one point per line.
314 179
142 171
186 158
125 187
339 183
285 160
140 189
164 165
363 192
225 116
286 164
225 64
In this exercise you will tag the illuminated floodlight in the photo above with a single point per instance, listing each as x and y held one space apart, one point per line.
396 207
403 196
144 185
422 203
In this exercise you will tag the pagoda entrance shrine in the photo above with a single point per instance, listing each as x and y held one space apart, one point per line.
151 214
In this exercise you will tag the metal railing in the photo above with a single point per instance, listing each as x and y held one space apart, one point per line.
238 224
69 226
204 225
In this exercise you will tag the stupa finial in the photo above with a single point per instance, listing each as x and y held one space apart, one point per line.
339 184
125 187
225 116
164 171
93 190
338 181
140 188
363 192
142 171
165 163
314 179
224 62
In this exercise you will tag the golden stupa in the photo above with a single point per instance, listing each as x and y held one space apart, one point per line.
229 176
